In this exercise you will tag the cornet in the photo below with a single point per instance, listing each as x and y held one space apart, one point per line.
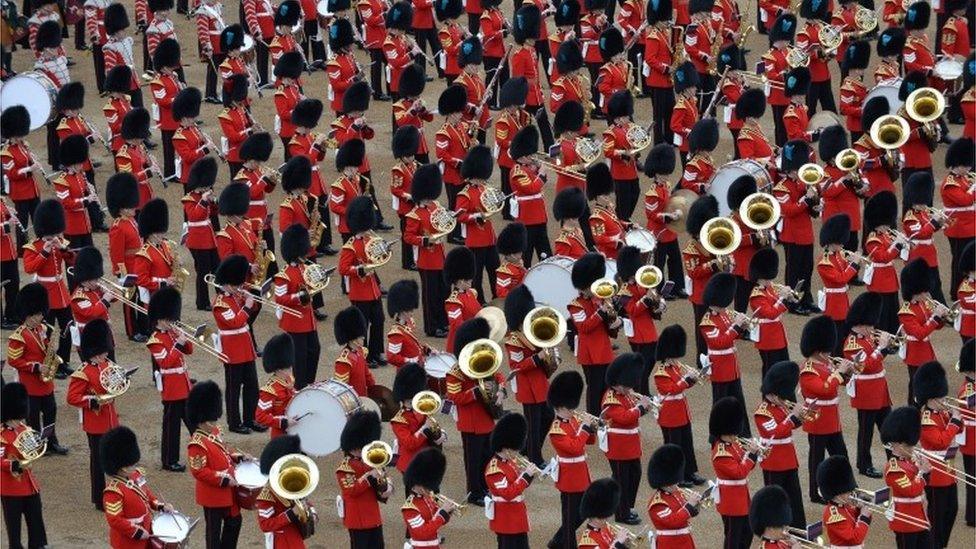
633 539
942 311
444 501
763 449
244 290
586 417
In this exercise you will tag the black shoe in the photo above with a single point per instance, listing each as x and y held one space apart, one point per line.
7 325
440 333
384 227
212 100
175 467
64 371
410 267
329 250
71 62
256 428
871 472
56 449
81 47
428 78
685 484
240 429
319 315
632 519
697 479
381 97
379 361
140 338
477 499
204 308
800 310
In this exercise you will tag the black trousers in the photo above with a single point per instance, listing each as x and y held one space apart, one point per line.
700 346
25 213
539 417
63 318
799 266
541 117
682 436
307 351
10 274
375 336
240 378
135 96
204 262
452 192
646 351
867 422
956 246
53 143
542 49
662 104
491 65
433 293
474 22
820 92
668 254
789 481
222 529
743 289
942 511
738 535
406 250
506 180
935 285
486 262
312 45
969 466
769 358
366 539
30 508
326 216
780 126
706 88
627 473
211 86
135 322
43 411
146 58
477 452
733 389
428 42
95 474
169 154
911 382
262 63
914 540
565 536
627 193
513 541
376 72
538 244
889 312
174 413
822 446
98 59
596 385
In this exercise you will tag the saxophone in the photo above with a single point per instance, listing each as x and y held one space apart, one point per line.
263 258
179 272
51 361
316 227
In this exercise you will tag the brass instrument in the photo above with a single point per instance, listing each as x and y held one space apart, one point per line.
444 501
31 446
378 455
720 236
587 149
849 161
444 221
811 174
527 464
944 463
245 290
586 417
544 161
639 138
633 539
316 277
51 360
199 334
428 403
764 449
648 277
810 411
179 273
493 200
866 20
895 339
796 57
760 211
545 328
799 537
679 55
926 105
949 313
898 236
752 79
378 251
263 258
479 360
838 362
115 380
957 404
890 132
316 226
717 44
884 505
604 288
294 477
830 38
707 497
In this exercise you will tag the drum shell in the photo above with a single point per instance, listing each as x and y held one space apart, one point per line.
250 482
33 90
325 405
727 174
889 90
170 525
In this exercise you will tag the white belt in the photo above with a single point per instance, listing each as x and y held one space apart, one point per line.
863 377
634 431
244 330
137 520
768 320
969 422
916 499
922 242
529 197
214 33
776 441
912 338
729 351
966 312
160 278
847 547
830 402
173 371
198 223
877 265
578 459
678 532
258 203
499 499
961 209
724 482
841 290
431 543
673 397
48 278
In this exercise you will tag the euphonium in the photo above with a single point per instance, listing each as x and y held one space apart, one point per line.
479 360
890 132
378 455
720 236
849 161
604 288
648 277
925 105
760 211
294 477
428 403
811 173
545 328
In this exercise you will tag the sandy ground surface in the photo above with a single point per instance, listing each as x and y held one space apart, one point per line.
73 522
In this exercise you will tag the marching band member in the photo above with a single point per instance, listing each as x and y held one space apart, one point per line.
155 262
425 512
615 73
621 153
967 367
450 35
818 16
362 487
359 273
470 59
638 307
528 206
410 109
958 196
10 231
231 44
776 417
730 61
836 271
27 347
672 379
52 63
769 303
296 176
732 461
569 436
372 14
698 263
966 293
475 221
656 69
44 10
852 90
160 29
278 359
820 381
607 228
259 21
428 247
889 48
799 204
528 26
570 87
69 103
288 92
96 405
845 18
212 463
507 479
21 494
667 255
622 407
233 308
399 49
452 143
117 49
841 190
349 326
96 38
169 348
752 141
352 124
134 157
721 328
210 25
312 146
882 249
414 431
781 36
493 28
568 208
592 24
462 303
291 291
200 208
878 168
670 508
286 523
46 257
906 477
917 151
19 166
698 38
165 87
844 521
511 247
699 168
920 224
565 18
968 100
89 300
403 346
919 317
124 242
770 516
404 146
513 117
74 191
796 84
188 140
593 322
255 150
236 122
568 125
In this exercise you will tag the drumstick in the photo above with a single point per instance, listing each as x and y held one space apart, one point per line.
301 417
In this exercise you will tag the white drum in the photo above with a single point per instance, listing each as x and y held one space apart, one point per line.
640 238
727 174
34 91
321 410
889 90
250 482
171 530
438 364
248 43
948 69
550 282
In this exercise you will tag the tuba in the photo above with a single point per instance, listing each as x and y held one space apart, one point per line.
294 477
115 380
428 403
649 277
545 328
761 211
31 446
378 455
479 360
720 236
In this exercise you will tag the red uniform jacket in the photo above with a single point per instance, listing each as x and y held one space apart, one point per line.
276 517
344 129
915 151
752 143
966 294
565 89
235 124
918 54
569 157
450 35
873 165
472 415
506 486
260 186
492 23
452 142
731 92
775 426
613 77
720 337
170 368
342 71
614 140
639 313
939 432
402 345
478 233
968 103
49 270
115 111
423 519
882 251
742 256
199 227
71 188
844 526
129 504
16 161
839 197
508 124
835 272
593 346
123 244
508 277
273 400
907 487
918 322
351 369
398 57
819 384
732 466
959 198
239 238
671 514
401 177
769 10
966 391
76 125
955 37
280 45
429 256
190 145
698 45
622 414
893 14
12 484
655 206
83 389
235 338
164 89
153 267
411 436
259 18
844 18
359 498
303 144
135 160
671 384
362 285
528 205
920 228
524 61
697 270
212 465
460 306
797 120
88 305
406 112
372 12
596 538
286 97
289 290
8 232
776 67
209 25
809 39
341 193
26 348
570 243
608 231
569 440
658 57
852 94
526 362
474 85
769 309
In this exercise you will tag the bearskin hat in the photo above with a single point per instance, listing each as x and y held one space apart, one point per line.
967 355
657 10
121 192
165 303
119 79
278 448
470 330
969 71
625 370
71 97
509 433
48 218
118 449
914 278
470 53
290 64
600 500
307 113
611 43
288 13
13 402
701 210
740 189
203 174
794 154
513 92
278 353
525 24
962 152
929 382
891 42
352 153
426 469
567 13
781 380
700 6
704 135
406 141
400 16
512 239
235 199
858 55
675 343
48 36
116 19
361 428
797 81
448 9
919 190
96 339
903 425
135 124
360 216
865 310
341 34
666 466
412 80
880 209
764 265
356 98
187 103
835 230
15 122
160 5
819 336
815 9
478 163
452 100
296 174
784 28
751 104
427 183
459 264
31 300
719 290
620 105
685 76
569 57
833 139
518 303
167 55
731 58
912 81
409 380
257 146
770 506
88 264
570 203
660 160
598 181
348 325
565 390
232 38
295 243
568 118
403 296
232 271
835 477
587 269
917 16
725 418
525 142
873 109
74 150
629 260
967 260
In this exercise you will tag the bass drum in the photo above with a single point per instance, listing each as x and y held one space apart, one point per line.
321 410
889 90
34 91
550 282
641 238
727 174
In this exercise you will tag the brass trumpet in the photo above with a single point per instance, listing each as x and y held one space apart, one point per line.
586 417
949 313
633 539
764 449
245 291
707 497
443 500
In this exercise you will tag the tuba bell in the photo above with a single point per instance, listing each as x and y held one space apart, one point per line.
890 132
847 160
377 454
479 360
294 477
649 276
544 327
761 211
811 173
604 288
720 236
925 105
428 403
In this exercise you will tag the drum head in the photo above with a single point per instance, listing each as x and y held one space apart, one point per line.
948 69
28 91
889 90
727 174
323 8
170 527
248 474
551 284
248 43
642 239
323 408
438 364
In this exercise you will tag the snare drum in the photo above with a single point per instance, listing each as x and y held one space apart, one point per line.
35 92
250 482
889 90
727 174
948 69
642 239
171 530
550 282
247 50
438 364
322 409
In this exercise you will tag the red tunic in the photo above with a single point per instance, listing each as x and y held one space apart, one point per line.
304 144
592 26
423 519
428 255
570 243
528 206
129 505
408 112
775 425
460 307
277 519
852 94
874 162
658 57
776 67
507 277
16 161
76 125
655 206
294 210
732 466
569 441
351 369
907 486
671 384
211 463
170 368
593 346
720 337
153 267
88 305
452 142
596 538
608 231
959 199
530 382
506 484
698 41
477 230
640 314
260 186
797 120
286 98
411 435
768 308
341 194
362 285
524 61
450 36
918 322
492 23
819 384
345 128
402 345
920 228
190 145
198 213
71 189
939 432
164 89
259 18
360 502
615 142
613 77
123 244
396 49
752 143
882 251
401 177
797 215
474 85
968 103
508 124
835 272
870 385
915 151
232 326
966 391
273 400
844 525
839 196
289 287
695 260
48 268
236 126
371 13
342 71
135 160
12 484
83 389
809 39
671 514
472 414
622 414
732 90
26 348
569 157
8 232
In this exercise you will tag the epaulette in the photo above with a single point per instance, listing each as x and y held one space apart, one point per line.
757 291
398 417
344 466
219 302
691 248
873 237
965 286
408 504
893 466
851 344
658 499
266 494
349 245
123 152
343 355
60 179
80 374
661 371
453 298
910 215
198 438
763 409
5 151
224 114
835 515
586 539
456 372
808 368
707 320
412 214
63 124
906 308
556 428
721 450
927 418
18 334
610 398
493 467
825 259
190 199
969 95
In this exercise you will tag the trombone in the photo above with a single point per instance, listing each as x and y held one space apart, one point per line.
198 334
542 160
757 80
884 505
799 537
210 279
946 463
957 404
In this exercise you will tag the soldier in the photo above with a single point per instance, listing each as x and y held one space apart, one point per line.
769 518
255 150
568 208
922 139
569 126
399 49
511 120
720 329
278 359
799 204
752 142
698 61
528 205
10 231
670 508
508 478
638 306
917 53
19 166
313 146
410 109
475 221
891 42
117 49
352 124
350 366
566 17
853 92
797 115
133 156
403 346
878 168
291 291
210 25
596 507
671 379
21 494
607 228
169 346
592 24
732 460
450 36
231 44
89 300
572 121
615 74
52 62
285 522
362 487
768 303
452 143
493 28
819 89
236 122
570 434
921 224
837 270
841 190
286 17
372 15
966 293
593 321
621 153
774 61
156 262
752 240
699 168
259 22
428 246
845 522
125 241
959 198
200 208
165 87
415 431
731 60
906 477
188 141
966 366
470 59
667 256
404 146
97 37
71 99
511 246
288 93
462 303
919 317
74 191
425 511
528 26
358 269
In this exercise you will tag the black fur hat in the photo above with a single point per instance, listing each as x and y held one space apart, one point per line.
13 402
307 113
351 153
962 152
835 477
349 324
570 203
232 38
71 97
857 56
914 278
235 199
452 100
187 103
902 425
341 34
356 98
403 296
833 139
919 190
797 81
512 239
360 216
769 508
31 300
781 380
470 330
165 303
409 380
794 154
912 81
48 218
719 290
600 500
288 13
119 79
118 449
666 466
764 265
278 448
525 142
167 54
203 174
336 6
232 270
569 57
660 160
412 80
819 336
620 104
296 174
15 121
956 5
815 9
598 181
704 135
626 370
74 150
701 210
121 192
731 58
509 433
427 183
685 76
967 260
96 339
611 43
361 428
459 264
917 16
290 64
565 390
969 71
725 418
426 469
478 163
967 355
873 109
751 104
406 141
629 259
891 42
880 209
518 303
784 28
48 36
740 189
835 230
658 10
675 343
587 269
295 243
567 13
525 24
568 118
257 146
448 9
400 16
865 310
278 353
929 382
513 92
135 124
471 52
116 19
700 6
160 5
88 264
